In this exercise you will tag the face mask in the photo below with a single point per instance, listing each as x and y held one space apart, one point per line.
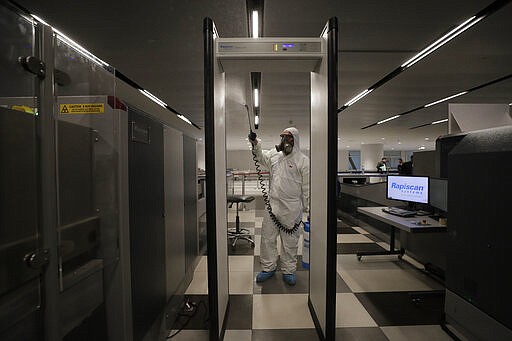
285 146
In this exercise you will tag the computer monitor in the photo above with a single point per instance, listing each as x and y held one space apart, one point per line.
439 194
413 189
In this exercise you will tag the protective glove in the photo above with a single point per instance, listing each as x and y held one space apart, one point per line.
252 137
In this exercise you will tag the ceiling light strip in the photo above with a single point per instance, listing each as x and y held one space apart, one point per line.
256 98
440 121
446 98
442 100
255 25
388 119
421 125
368 126
484 13
358 97
70 42
73 44
441 41
255 18
153 98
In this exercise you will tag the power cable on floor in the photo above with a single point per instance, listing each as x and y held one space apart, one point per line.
190 310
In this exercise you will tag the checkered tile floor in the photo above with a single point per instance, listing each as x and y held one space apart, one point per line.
374 296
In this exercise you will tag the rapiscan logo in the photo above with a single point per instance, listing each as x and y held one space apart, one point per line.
406 187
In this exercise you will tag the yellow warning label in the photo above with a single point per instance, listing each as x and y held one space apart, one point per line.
82 108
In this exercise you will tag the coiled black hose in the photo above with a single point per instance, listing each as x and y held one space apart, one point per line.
267 200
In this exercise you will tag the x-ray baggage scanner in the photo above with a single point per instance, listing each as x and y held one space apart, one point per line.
319 57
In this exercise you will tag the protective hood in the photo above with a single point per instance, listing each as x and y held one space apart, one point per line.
296 139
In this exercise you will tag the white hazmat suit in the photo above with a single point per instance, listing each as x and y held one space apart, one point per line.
289 197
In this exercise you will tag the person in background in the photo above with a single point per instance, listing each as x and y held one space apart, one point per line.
289 198
381 165
400 165
407 167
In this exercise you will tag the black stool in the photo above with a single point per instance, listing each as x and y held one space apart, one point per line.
237 233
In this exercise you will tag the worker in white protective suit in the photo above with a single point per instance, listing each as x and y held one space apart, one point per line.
289 198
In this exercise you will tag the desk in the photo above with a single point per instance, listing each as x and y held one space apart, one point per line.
408 224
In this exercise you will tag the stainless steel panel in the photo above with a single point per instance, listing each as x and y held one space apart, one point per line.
174 210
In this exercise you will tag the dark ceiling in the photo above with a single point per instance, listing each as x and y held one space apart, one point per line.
159 44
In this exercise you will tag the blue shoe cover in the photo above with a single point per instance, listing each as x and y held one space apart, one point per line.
289 279
264 275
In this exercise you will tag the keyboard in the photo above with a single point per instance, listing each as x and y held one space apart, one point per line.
399 211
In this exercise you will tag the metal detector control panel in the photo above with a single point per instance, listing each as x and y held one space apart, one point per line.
266 46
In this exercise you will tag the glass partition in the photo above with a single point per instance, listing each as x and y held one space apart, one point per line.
20 259
88 205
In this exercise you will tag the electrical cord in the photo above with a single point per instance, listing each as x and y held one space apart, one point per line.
189 317
267 200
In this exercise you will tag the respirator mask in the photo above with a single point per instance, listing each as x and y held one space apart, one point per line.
286 145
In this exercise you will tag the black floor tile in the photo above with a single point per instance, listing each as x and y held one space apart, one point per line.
341 286
276 285
240 312
360 334
257 265
242 248
350 248
243 225
374 238
346 230
284 334
342 223
399 308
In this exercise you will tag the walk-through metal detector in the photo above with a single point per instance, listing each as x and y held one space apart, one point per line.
320 57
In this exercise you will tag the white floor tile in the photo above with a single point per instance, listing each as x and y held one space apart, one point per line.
238 335
281 312
241 282
203 264
416 333
353 238
360 230
241 263
199 284
351 313
388 280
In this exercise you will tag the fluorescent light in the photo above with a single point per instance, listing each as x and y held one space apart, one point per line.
388 119
255 24
184 119
65 39
40 19
445 99
256 120
440 121
153 98
256 98
358 97
421 148
443 40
